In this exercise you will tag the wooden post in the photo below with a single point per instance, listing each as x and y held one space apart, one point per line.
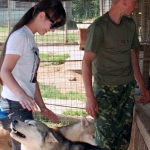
144 21
143 123
66 25
146 64
134 135
104 6
82 28
9 16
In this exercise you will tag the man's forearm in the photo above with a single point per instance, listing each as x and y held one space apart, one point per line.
87 79
136 68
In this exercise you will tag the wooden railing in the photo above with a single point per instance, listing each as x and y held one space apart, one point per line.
140 137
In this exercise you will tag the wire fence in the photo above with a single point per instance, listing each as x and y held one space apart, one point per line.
60 74
142 19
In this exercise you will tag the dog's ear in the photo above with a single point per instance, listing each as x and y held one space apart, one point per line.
84 122
50 138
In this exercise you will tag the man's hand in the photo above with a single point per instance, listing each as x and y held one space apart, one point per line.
92 107
145 95
27 102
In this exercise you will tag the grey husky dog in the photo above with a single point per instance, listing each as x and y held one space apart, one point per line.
34 135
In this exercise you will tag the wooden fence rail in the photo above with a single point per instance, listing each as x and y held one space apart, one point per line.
140 139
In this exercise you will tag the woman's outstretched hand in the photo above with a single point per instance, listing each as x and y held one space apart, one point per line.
28 102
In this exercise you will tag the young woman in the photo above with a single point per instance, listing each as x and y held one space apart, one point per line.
20 60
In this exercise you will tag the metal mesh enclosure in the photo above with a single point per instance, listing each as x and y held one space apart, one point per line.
60 75
142 19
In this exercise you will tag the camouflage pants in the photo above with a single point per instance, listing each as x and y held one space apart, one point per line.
113 124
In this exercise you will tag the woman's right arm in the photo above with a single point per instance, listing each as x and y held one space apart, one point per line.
8 65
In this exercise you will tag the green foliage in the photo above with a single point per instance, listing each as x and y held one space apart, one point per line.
48 91
54 59
75 113
85 9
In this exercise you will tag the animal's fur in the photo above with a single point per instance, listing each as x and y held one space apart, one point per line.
83 130
5 140
35 135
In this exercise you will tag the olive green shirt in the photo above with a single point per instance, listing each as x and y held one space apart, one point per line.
112 44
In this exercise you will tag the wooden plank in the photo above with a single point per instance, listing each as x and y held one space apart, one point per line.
144 133
143 124
146 64
137 98
146 109
144 21
141 143
134 135
145 147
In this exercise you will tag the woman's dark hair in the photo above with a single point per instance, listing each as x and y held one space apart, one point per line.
55 10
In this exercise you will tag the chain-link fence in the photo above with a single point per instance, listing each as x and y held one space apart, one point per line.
142 19
59 74
61 52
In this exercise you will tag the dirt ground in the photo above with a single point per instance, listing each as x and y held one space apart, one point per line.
66 77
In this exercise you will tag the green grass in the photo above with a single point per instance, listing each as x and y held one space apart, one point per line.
43 119
49 122
4 29
48 91
57 36
54 59
75 113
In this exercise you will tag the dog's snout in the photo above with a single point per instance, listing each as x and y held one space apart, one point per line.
15 121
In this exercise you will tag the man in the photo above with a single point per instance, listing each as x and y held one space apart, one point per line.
111 57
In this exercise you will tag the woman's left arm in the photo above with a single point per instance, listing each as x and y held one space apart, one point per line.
44 110
138 76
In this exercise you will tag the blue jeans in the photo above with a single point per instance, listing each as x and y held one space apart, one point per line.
14 111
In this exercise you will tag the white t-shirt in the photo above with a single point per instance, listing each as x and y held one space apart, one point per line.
22 42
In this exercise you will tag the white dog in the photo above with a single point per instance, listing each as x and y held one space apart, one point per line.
34 135
83 130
